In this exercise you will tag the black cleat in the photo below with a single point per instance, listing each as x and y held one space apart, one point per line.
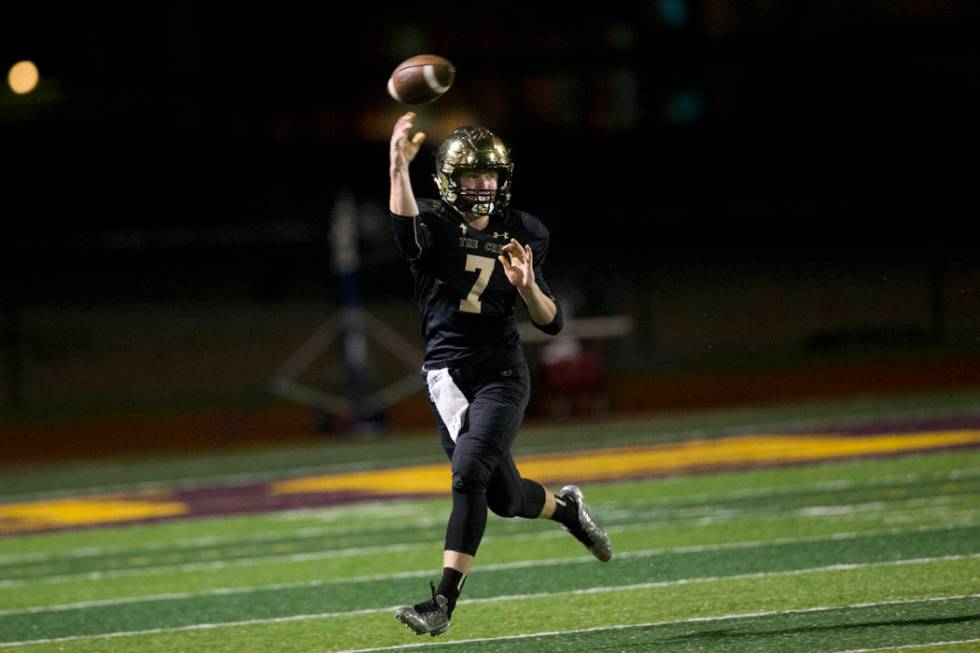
587 531
430 616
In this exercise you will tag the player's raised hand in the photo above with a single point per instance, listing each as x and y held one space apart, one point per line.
403 150
518 262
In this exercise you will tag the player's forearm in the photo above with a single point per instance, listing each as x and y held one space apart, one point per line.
402 199
541 308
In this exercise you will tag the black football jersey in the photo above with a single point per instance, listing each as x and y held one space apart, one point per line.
466 301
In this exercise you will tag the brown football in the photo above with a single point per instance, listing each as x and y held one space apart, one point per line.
421 79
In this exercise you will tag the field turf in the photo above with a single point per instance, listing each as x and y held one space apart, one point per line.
877 553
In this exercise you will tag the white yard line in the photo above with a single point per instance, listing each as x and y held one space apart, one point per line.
503 566
558 633
897 480
594 590
419 573
217 564
674 622
214 540
644 517
900 647
399 548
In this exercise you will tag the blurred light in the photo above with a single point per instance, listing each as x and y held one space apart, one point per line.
23 77
674 12
621 36
685 107
444 124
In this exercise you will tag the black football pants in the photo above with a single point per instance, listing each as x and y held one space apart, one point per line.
484 473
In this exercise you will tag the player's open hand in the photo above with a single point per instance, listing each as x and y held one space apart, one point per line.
404 150
518 262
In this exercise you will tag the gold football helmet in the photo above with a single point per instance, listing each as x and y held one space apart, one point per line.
473 149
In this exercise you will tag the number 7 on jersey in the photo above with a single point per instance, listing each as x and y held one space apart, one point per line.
483 265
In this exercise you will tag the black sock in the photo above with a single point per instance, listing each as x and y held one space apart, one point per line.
566 514
451 585
566 511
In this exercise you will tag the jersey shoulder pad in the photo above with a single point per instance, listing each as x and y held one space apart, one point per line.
431 207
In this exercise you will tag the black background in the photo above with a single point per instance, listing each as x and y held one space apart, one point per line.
830 131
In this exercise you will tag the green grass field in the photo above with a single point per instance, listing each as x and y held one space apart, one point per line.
856 555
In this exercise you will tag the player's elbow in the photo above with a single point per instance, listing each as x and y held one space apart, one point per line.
554 327
408 240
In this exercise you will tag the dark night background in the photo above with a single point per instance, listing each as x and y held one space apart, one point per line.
748 180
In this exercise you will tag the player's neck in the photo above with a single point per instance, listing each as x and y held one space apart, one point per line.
478 222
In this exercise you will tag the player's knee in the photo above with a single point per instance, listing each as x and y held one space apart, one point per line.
470 476
468 484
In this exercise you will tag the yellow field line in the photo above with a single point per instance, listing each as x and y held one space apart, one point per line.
592 465
606 464
41 515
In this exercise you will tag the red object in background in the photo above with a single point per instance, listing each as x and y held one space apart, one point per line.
568 367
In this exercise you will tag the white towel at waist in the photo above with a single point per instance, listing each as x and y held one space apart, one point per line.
449 400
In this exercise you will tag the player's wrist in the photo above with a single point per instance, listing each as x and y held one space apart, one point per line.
398 171
527 291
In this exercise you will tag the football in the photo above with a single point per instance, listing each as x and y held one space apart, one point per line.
421 79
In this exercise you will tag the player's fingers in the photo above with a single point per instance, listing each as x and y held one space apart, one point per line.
404 123
504 262
530 254
514 249
418 139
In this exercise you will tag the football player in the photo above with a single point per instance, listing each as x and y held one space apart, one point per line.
472 256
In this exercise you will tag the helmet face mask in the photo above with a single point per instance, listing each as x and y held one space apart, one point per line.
473 150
